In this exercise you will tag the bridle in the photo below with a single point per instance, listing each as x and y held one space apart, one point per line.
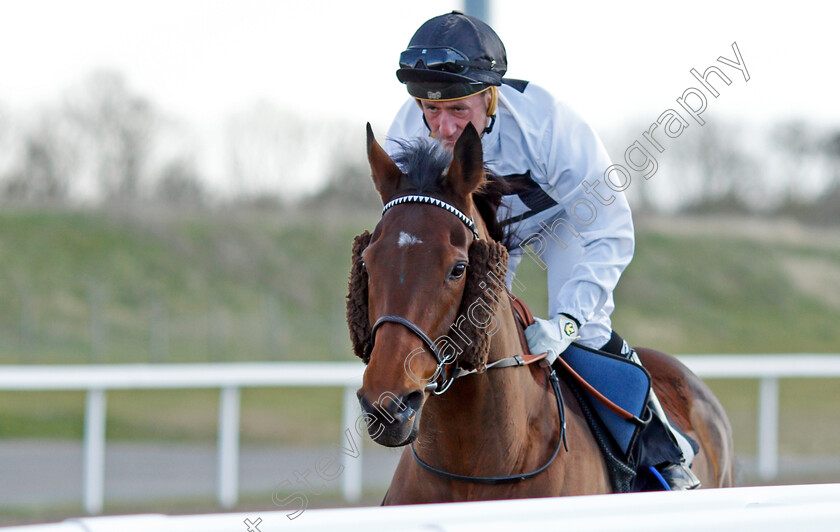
440 386
413 198
436 386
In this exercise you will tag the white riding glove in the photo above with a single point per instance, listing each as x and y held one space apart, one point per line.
551 336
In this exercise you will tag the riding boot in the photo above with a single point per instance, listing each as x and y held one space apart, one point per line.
677 474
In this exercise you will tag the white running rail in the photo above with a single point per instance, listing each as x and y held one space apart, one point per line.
765 509
230 378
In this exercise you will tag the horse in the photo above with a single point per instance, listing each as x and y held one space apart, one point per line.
427 304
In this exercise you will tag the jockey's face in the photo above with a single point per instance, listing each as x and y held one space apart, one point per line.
448 119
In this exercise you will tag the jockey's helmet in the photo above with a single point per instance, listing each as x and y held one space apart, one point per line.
452 56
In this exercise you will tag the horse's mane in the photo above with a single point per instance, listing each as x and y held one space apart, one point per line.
424 163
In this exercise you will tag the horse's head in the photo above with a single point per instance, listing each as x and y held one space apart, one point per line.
417 307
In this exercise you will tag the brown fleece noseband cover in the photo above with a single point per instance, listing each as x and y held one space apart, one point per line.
483 290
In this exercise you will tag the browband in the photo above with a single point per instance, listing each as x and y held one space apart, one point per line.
436 202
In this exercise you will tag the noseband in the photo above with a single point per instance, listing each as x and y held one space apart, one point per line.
438 387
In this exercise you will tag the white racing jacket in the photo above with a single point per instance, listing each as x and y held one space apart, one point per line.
562 215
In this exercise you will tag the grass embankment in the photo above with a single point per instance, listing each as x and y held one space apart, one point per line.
94 287
83 286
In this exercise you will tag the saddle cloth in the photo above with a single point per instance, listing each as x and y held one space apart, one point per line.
615 378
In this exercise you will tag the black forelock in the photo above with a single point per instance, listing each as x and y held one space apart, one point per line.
423 163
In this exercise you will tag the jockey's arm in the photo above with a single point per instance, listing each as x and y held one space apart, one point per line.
600 244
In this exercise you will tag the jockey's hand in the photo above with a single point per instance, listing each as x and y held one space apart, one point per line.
551 336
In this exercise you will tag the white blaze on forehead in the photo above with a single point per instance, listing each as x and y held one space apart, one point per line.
407 239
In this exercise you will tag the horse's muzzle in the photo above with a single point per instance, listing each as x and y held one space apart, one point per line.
392 421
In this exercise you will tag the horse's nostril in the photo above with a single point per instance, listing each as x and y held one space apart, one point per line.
390 411
414 400
404 416
408 406
367 407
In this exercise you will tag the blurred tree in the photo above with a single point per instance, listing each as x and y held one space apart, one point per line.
46 159
348 183
706 168
348 186
795 137
179 184
38 179
794 150
826 207
117 129
808 157
277 152
4 125
640 194
719 173
831 148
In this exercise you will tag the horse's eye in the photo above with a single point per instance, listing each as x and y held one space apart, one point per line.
457 271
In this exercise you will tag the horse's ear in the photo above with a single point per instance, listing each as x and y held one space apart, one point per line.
466 171
384 171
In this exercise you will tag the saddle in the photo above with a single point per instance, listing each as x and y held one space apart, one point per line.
612 393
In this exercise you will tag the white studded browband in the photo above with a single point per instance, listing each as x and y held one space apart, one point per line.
436 202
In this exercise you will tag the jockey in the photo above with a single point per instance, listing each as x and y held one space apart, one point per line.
581 234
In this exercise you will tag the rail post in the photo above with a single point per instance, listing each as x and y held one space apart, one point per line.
351 483
768 428
94 452
228 467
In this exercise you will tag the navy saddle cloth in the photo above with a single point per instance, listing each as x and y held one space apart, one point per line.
619 380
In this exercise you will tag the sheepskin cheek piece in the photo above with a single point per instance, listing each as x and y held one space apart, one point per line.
357 301
483 290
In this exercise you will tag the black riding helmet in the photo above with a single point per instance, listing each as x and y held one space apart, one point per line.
452 56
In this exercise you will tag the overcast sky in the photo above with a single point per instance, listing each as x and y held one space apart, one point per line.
612 61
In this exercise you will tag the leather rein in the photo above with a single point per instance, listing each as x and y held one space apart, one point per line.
440 386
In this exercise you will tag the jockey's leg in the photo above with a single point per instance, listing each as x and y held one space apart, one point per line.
677 475
656 407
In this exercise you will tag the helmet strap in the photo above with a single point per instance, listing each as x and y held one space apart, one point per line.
491 108
424 121
487 129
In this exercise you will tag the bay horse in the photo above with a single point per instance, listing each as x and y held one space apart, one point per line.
424 307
